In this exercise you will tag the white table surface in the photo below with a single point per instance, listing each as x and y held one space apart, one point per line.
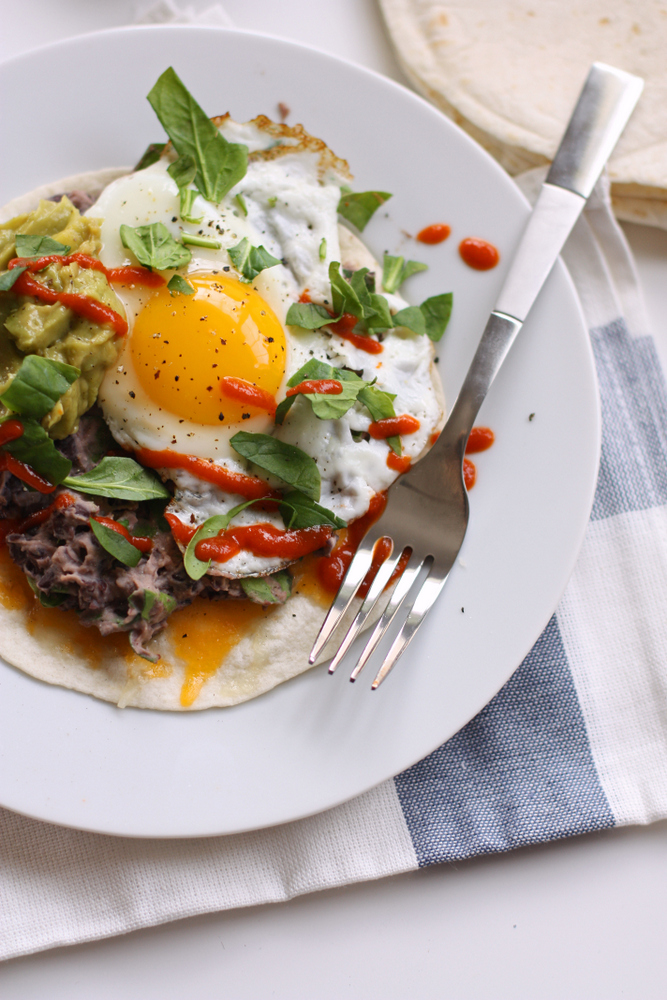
582 919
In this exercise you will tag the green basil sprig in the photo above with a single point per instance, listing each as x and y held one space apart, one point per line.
154 246
38 385
299 511
290 464
183 171
151 598
262 589
325 407
380 405
359 207
9 278
151 155
396 270
39 246
115 544
308 316
32 393
249 260
194 567
179 286
220 164
121 478
431 317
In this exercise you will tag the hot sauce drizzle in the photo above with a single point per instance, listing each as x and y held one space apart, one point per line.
248 487
469 473
323 386
332 568
437 233
389 426
344 327
399 463
62 501
263 540
83 305
245 392
22 471
480 439
478 254
10 430
114 275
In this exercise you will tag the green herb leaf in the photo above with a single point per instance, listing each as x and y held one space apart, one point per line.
240 201
325 407
38 246
344 297
154 246
299 511
250 260
380 406
119 477
200 241
220 164
412 318
183 170
114 543
358 208
272 202
323 248
290 464
8 278
36 449
396 270
53 599
437 311
259 589
179 286
151 598
38 385
188 196
308 316
151 155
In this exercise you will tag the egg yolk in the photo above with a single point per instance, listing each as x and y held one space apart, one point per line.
182 345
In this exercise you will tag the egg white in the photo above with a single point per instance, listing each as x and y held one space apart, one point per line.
291 196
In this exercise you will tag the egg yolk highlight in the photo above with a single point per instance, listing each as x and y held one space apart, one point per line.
182 345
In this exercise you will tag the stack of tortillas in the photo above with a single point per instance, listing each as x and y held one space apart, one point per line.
509 72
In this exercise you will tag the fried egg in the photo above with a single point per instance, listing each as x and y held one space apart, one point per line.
164 392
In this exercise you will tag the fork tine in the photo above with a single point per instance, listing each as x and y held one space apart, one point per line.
401 590
423 603
351 582
380 581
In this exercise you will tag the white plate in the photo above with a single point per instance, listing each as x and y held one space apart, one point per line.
317 741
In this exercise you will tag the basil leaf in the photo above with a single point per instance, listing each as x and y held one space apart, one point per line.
38 385
119 477
283 408
36 449
358 208
292 465
179 286
412 318
188 196
344 298
220 164
325 407
437 311
323 248
194 567
200 241
396 270
380 406
315 369
53 599
299 511
151 598
240 201
115 544
183 170
154 246
308 316
259 589
151 155
38 246
250 260
8 278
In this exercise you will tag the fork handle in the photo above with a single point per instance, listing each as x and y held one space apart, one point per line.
606 102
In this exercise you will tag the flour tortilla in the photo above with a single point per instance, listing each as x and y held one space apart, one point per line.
275 648
509 73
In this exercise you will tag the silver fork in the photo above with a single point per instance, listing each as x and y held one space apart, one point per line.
427 511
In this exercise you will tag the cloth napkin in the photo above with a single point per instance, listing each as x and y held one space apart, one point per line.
575 741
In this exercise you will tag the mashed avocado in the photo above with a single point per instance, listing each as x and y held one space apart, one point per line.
28 326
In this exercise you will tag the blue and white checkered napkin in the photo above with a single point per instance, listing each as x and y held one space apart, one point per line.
575 741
